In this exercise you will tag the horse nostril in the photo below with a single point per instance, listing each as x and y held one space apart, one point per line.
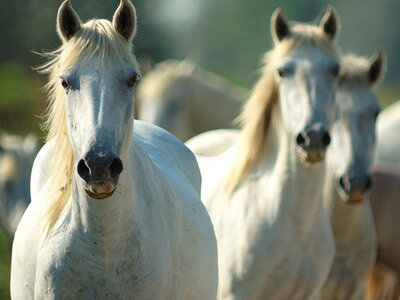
344 183
300 140
368 183
83 170
326 139
116 167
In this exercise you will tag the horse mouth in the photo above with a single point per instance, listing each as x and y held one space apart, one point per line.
311 156
100 191
99 195
353 200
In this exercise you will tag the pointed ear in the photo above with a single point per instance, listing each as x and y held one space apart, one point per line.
279 26
124 20
377 67
330 23
68 22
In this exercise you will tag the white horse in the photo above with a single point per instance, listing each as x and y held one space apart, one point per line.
348 179
16 159
264 190
113 216
187 100
384 282
388 140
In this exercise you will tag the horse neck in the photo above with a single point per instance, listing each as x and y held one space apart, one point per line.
347 220
209 101
106 221
298 185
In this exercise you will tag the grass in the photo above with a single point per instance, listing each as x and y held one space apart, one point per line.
5 261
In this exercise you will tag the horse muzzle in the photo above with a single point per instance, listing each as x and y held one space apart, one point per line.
355 189
312 143
100 174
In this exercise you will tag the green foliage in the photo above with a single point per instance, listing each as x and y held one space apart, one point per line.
5 261
19 98
15 86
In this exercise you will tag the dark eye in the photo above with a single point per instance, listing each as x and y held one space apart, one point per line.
132 80
286 70
281 72
335 70
64 83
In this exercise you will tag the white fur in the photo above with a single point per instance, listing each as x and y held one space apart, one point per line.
274 237
349 179
152 239
352 150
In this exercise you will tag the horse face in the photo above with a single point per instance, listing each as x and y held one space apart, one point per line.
353 142
307 85
99 108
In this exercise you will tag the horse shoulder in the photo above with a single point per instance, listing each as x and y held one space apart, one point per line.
24 253
166 151
181 178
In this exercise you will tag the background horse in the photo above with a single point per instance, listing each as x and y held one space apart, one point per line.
187 100
264 192
384 282
348 180
112 216
16 159
388 129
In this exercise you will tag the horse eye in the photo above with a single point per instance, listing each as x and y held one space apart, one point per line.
282 72
64 83
335 70
286 70
132 80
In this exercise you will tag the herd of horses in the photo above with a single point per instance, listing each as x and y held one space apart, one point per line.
299 200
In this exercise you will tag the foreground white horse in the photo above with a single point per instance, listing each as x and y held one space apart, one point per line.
348 179
86 236
16 159
264 190
187 100
388 128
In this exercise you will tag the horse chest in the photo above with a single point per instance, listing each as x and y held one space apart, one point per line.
77 272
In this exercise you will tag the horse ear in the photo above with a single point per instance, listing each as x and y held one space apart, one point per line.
377 67
124 20
330 23
68 22
279 26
